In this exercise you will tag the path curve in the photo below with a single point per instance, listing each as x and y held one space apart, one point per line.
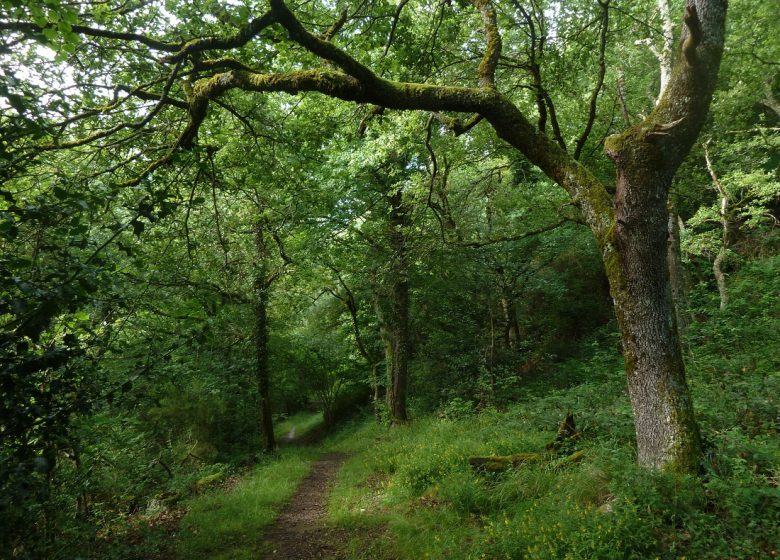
300 532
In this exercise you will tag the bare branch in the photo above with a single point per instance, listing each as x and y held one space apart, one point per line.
316 45
439 212
30 28
458 126
373 111
336 27
241 38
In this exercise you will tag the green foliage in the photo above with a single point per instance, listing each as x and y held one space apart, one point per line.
129 278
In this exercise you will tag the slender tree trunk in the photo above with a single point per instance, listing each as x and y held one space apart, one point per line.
725 238
720 277
261 341
512 328
665 55
383 319
507 300
676 272
398 326
485 399
376 392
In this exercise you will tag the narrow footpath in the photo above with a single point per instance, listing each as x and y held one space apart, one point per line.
300 532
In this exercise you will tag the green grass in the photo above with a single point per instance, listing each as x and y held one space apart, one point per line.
229 525
412 492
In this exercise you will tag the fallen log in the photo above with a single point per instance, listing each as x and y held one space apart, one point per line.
567 431
498 463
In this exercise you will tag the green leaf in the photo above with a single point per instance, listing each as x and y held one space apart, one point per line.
50 33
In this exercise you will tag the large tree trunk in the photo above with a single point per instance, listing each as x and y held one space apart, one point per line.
261 341
666 431
646 158
398 325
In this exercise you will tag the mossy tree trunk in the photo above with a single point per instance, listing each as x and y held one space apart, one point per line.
646 157
663 411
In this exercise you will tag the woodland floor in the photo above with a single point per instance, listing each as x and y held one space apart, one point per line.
300 532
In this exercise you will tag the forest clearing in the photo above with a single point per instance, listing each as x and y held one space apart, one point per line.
389 279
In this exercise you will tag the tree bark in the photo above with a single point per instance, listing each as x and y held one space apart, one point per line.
263 374
646 158
667 435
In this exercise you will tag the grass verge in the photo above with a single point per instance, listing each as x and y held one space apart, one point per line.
228 523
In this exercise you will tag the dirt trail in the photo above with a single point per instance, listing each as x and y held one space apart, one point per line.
300 532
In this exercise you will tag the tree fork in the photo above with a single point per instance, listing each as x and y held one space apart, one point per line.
646 158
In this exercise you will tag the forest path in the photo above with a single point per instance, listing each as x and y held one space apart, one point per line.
290 436
300 532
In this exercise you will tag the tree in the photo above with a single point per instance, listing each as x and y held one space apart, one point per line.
630 228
